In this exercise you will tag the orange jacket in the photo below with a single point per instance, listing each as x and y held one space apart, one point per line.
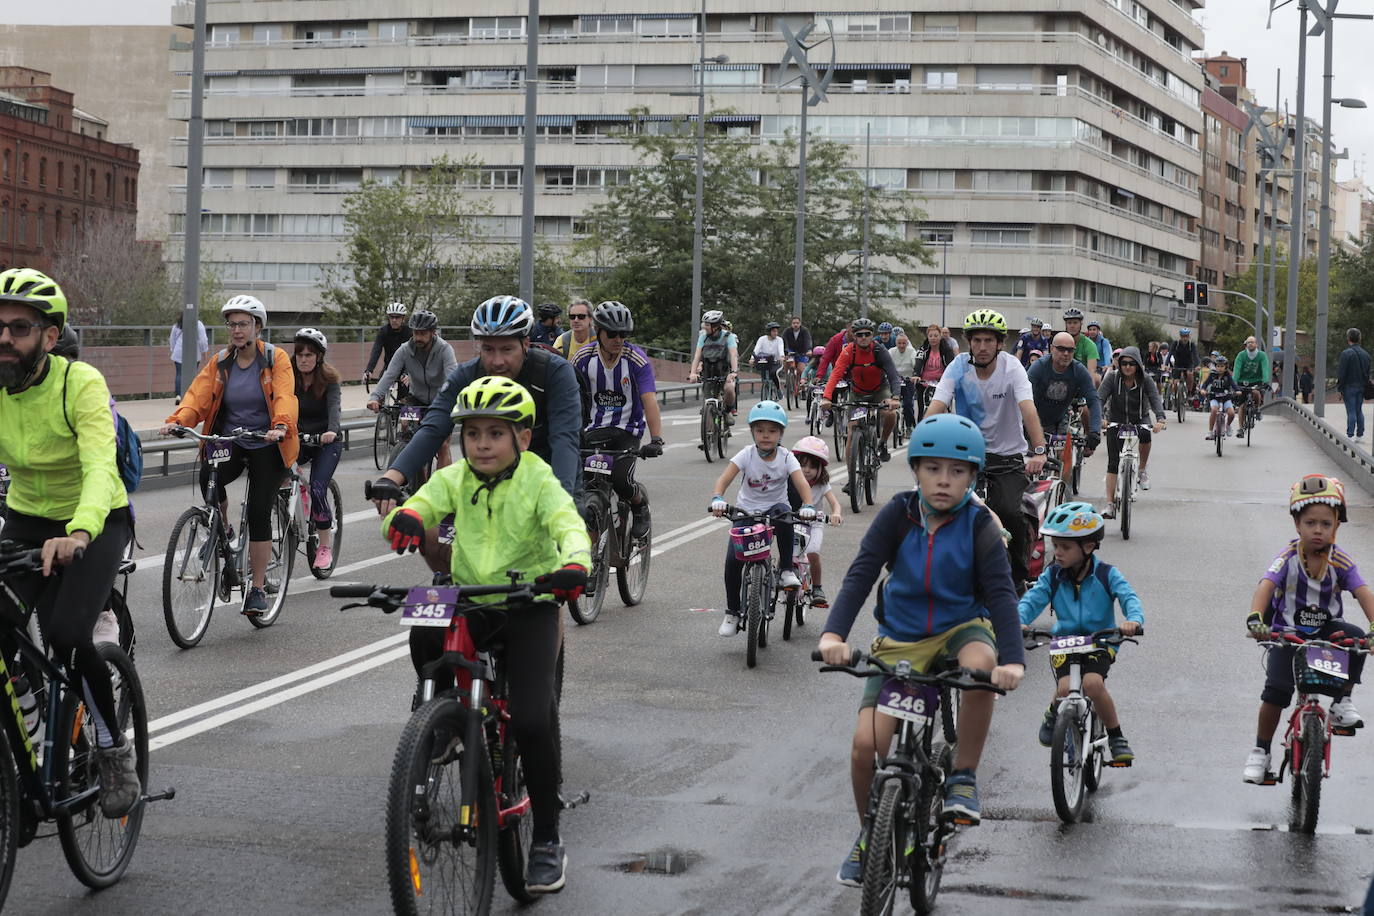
201 402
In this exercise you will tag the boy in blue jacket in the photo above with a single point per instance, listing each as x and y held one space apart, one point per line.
948 596
1082 590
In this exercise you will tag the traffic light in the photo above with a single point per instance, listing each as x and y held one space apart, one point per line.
1189 292
1202 294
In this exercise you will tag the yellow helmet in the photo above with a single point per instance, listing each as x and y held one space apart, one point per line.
496 397
1317 489
985 320
36 290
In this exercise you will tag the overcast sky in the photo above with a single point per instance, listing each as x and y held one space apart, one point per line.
1235 26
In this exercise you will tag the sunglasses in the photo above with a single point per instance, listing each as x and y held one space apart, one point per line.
620 334
572 317
18 328
1063 349
863 333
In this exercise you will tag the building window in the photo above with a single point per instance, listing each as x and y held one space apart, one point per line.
935 179
4 219
267 32
1225 71
24 168
1002 236
393 30
40 235
932 285
497 27
43 171
224 35
941 78
218 178
6 174
936 233
109 186
997 287
57 228
90 183
262 178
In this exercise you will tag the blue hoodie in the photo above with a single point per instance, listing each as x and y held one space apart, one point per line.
1083 608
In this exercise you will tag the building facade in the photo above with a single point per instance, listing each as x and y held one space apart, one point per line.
1227 212
1055 145
59 175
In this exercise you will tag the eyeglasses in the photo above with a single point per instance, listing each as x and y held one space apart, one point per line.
238 325
1063 349
1127 362
18 328
862 334
572 317
621 334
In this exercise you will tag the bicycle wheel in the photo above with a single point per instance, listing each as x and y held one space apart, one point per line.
753 611
517 832
791 603
381 439
190 577
769 604
1219 431
1066 765
9 816
1180 401
1249 424
885 860
1092 770
336 510
708 431
1076 478
838 417
434 863
856 474
927 860
722 432
874 464
98 848
1307 776
281 563
632 579
587 608
1127 497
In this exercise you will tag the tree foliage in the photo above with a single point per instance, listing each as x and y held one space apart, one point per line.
1135 330
1231 334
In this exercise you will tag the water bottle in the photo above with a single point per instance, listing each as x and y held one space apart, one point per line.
28 706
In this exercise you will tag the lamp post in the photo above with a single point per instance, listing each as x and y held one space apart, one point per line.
944 280
698 205
813 86
531 138
1299 204
195 143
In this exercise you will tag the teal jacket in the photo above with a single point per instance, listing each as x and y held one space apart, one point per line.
1083 608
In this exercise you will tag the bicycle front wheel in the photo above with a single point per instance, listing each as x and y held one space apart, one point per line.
1307 776
436 863
708 430
281 563
1066 765
1219 431
1180 401
753 611
98 848
885 860
928 844
336 509
1127 497
856 473
190 577
381 439
632 579
587 608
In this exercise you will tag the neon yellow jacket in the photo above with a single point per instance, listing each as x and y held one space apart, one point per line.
528 522
56 473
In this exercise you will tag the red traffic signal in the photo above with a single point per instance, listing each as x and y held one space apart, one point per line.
1189 293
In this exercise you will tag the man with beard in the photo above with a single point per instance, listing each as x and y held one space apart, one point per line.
1056 383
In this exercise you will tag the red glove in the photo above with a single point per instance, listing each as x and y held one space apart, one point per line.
566 583
407 531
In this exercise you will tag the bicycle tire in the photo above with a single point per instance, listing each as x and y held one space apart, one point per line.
1127 497
874 464
1076 478
791 601
513 840
1307 776
587 608
632 579
83 830
1181 402
9 816
1092 772
838 418
722 433
381 439
1219 431
769 605
856 474
415 781
884 861
336 509
708 429
1249 424
927 861
193 522
1066 765
282 562
753 611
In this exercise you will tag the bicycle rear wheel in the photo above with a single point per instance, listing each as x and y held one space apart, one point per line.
190 578
381 439
1308 764
1180 401
927 860
434 863
281 563
1249 423
515 835
1219 431
1076 478
885 861
1066 765
9 816
753 611
313 541
1127 497
708 430
632 579
873 463
722 432
586 609
98 848
856 474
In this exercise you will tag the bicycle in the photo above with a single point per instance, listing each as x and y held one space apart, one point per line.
815 418
201 566
797 600
901 430
768 387
925 392
48 771
1180 394
384 430
715 430
307 535
908 836
864 461
1219 427
1247 411
1128 478
1078 750
407 419
839 409
791 383
609 533
751 539
457 808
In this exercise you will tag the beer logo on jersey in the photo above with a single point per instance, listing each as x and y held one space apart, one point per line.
610 399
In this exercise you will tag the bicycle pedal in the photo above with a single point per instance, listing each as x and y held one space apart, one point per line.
1271 779
1343 730
1119 764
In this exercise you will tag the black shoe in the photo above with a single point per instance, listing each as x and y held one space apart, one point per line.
546 871
640 526
883 454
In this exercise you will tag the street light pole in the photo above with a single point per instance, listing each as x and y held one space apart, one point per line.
868 180
813 87
195 143
531 138
1290 331
944 280
699 203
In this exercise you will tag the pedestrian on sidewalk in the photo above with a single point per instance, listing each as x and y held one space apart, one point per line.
174 346
1352 375
1305 384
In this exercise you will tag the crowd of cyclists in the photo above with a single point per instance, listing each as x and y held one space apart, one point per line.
535 400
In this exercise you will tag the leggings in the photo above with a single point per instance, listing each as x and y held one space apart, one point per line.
734 569
323 460
68 604
265 472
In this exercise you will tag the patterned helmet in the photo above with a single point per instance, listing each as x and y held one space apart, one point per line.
898 331
503 316
248 304
1093 323
496 397
36 290
613 316
423 320
1036 323
768 410
396 308
885 327
771 326
818 351
314 336
1317 489
947 435
1073 312
1076 520
986 320
815 447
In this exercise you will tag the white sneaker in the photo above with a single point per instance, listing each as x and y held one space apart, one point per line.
106 628
1257 766
1345 715
789 579
1144 480
729 626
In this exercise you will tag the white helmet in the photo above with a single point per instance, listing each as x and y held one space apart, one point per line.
396 308
315 336
713 317
250 304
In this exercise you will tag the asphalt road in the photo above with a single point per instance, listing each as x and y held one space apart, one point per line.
280 742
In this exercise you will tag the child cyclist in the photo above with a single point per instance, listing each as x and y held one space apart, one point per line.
1302 591
948 596
814 455
812 364
767 467
511 513
1082 590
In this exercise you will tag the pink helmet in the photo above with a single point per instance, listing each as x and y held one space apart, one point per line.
813 446
818 351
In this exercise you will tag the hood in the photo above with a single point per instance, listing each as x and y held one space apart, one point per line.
1133 353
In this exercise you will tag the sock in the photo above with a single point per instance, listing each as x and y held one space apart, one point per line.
545 836
1114 732
1263 744
963 774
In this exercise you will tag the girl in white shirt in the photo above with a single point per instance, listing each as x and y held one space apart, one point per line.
814 456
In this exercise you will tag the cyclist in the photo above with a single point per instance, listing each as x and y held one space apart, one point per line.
947 596
1128 396
904 361
1252 372
65 496
580 332
1032 339
990 388
1219 390
796 343
932 359
1183 357
501 327
1083 589
768 355
1059 381
832 351
1085 350
426 359
1302 589
1154 362
546 331
319 395
390 336
812 364
872 381
618 388
514 514
814 455
717 356
1104 346
767 468
885 335
248 385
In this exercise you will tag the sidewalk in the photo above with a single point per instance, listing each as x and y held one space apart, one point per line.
1335 418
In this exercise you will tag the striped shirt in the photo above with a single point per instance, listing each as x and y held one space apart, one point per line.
612 392
1294 589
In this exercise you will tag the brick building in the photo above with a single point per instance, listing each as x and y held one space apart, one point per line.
58 173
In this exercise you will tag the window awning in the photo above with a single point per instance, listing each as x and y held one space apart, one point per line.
555 120
603 17
336 71
495 120
906 67
728 66
731 119
437 121
604 117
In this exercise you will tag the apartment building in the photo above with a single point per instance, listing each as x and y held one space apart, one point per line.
1056 144
1226 235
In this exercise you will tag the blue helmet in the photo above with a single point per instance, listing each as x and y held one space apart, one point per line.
947 435
899 331
885 327
768 410
1077 520
503 316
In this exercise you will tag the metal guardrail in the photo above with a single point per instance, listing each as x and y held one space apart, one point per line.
1357 464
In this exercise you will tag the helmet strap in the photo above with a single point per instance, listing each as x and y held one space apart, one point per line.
929 512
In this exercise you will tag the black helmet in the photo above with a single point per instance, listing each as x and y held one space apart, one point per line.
68 344
862 324
613 316
771 326
1073 312
548 310
423 320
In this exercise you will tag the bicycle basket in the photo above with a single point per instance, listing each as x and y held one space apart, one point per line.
751 542
1312 680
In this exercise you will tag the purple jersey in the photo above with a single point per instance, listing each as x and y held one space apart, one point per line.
613 391
1294 589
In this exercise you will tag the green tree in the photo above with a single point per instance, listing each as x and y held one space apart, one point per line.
1230 334
1353 305
554 279
1135 330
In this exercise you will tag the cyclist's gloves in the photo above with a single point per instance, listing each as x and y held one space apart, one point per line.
567 583
384 488
654 449
1256 625
407 530
1094 440
807 513
718 505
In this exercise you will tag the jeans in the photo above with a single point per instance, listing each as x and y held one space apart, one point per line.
1353 395
177 363
908 403
323 461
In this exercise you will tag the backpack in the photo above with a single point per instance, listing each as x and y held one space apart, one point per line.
128 448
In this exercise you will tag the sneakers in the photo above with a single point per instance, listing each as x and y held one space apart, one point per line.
546 871
818 598
119 786
1121 752
1046 734
1144 479
256 602
829 419
1210 436
730 418
1110 511
883 454
788 579
106 628
1344 714
1256 766
324 558
851 872
1240 433
961 799
846 488
640 526
729 626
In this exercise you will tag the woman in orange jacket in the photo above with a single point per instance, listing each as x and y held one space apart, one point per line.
249 385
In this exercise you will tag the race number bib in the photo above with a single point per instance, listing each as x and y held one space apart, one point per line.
598 464
429 606
1331 662
1071 645
218 452
412 414
915 703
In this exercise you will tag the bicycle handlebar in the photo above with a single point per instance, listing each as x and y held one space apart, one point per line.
182 432
619 453
736 514
958 678
390 598
15 558
1291 637
1035 637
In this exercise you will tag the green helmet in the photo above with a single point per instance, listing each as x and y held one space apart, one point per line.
36 290
496 397
985 320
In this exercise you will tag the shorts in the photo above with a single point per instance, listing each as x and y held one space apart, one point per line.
926 654
1225 405
871 398
1099 662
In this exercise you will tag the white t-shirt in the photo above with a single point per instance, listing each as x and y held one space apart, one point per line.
766 347
763 483
1001 397
818 491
